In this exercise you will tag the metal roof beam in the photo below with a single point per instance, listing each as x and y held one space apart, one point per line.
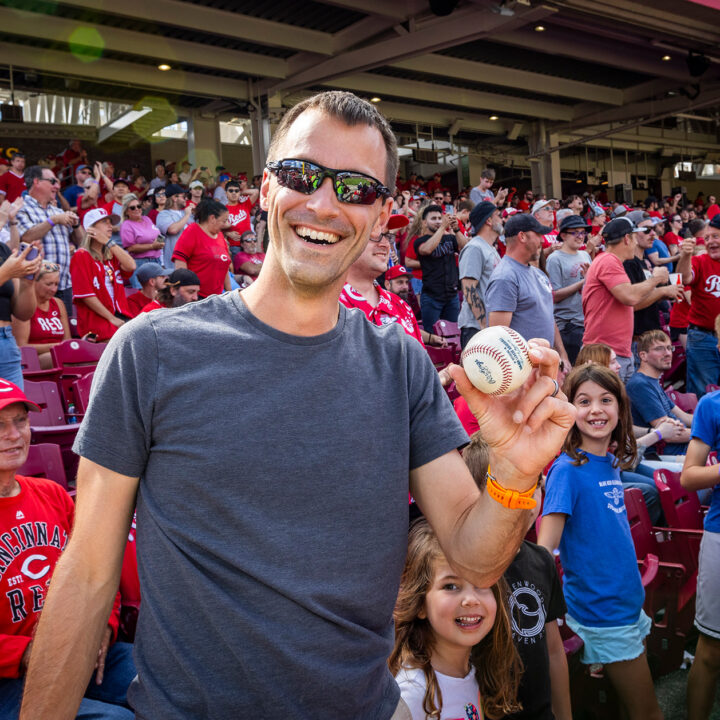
397 10
55 62
597 51
220 22
438 93
435 34
510 77
167 50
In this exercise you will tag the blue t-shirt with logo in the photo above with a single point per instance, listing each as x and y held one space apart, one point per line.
706 428
601 578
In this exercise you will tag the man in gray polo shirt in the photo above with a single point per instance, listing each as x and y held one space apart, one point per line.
566 268
477 261
519 294
270 559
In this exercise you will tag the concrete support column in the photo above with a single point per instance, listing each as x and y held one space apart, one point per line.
204 148
545 169
554 182
259 128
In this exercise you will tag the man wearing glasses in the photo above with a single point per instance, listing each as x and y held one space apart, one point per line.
270 567
566 268
239 204
82 173
41 219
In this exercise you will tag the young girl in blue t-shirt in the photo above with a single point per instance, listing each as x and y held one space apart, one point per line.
584 516
454 655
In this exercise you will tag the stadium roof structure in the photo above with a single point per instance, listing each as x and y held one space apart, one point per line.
642 74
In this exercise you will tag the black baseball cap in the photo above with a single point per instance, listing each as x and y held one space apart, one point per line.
620 227
571 222
522 222
715 222
480 213
182 277
173 189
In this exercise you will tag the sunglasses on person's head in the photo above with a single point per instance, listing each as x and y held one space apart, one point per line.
350 186
48 267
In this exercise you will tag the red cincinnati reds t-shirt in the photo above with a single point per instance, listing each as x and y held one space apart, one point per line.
705 286
239 217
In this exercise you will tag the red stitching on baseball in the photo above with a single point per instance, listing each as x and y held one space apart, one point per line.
499 358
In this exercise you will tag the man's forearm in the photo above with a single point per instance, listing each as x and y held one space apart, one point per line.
431 243
69 633
471 293
36 232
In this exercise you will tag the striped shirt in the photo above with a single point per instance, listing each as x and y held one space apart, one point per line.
56 244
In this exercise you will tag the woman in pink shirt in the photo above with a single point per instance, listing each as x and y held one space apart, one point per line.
140 236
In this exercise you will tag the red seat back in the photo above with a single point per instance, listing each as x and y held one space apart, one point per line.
46 395
687 402
29 359
73 353
81 391
681 507
45 460
640 525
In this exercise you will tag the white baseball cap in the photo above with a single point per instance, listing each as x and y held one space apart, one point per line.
93 216
539 205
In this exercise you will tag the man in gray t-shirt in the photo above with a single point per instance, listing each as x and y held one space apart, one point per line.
566 268
271 438
173 220
477 261
519 294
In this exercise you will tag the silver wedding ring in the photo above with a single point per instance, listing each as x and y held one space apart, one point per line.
556 390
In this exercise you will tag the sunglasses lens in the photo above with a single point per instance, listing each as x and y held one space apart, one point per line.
355 189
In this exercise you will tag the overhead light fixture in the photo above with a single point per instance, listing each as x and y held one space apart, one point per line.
375 99
494 117
666 58
539 28
164 67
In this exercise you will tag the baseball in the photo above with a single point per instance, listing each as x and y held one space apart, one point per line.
496 360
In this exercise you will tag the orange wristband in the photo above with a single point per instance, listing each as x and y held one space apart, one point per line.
511 499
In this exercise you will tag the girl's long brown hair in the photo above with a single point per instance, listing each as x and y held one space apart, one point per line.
497 665
622 436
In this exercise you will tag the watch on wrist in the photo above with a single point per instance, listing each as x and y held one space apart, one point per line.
511 499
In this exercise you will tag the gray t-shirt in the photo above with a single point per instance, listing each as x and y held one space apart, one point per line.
273 505
164 220
477 195
565 269
477 260
525 291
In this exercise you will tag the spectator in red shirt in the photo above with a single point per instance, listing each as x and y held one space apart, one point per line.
98 271
151 277
248 262
363 292
202 248
158 202
239 205
12 182
702 274
49 324
43 509
527 201
181 287
608 296
197 192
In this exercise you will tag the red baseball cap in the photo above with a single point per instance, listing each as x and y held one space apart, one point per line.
11 393
396 271
398 221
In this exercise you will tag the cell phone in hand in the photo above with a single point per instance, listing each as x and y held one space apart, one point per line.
30 256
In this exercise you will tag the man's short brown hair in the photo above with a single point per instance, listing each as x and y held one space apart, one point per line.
351 110
488 174
649 338
465 205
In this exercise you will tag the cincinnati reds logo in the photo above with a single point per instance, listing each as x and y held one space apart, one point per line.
527 612
25 569
712 285
237 218
224 258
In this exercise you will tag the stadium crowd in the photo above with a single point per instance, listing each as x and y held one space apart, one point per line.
628 296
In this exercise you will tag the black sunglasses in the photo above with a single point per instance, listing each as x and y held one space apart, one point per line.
350 186
132 207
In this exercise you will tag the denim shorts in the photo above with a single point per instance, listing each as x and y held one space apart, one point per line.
605 645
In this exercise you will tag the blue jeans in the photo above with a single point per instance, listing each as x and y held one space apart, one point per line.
651 494
433 310
703 361
10 367
416 285
101 702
